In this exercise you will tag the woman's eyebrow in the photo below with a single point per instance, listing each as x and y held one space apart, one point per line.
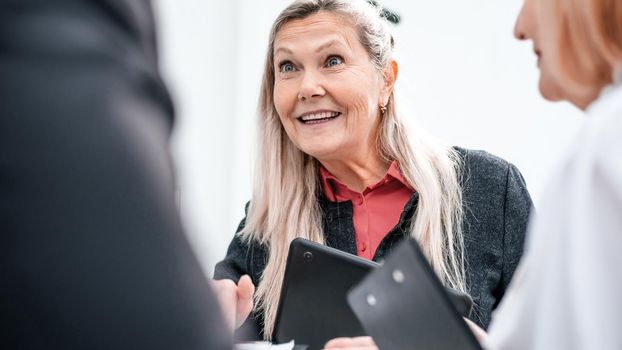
329 44
324 46
283 49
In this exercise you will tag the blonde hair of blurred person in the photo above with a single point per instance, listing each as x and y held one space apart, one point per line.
286 187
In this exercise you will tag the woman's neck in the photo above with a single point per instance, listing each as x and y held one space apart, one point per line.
584 100
357 174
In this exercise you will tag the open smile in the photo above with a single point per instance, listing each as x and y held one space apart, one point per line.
318 117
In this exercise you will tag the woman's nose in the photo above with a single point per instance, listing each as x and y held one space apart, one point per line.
521 25
310 87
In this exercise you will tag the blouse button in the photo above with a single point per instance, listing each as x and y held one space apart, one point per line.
363 247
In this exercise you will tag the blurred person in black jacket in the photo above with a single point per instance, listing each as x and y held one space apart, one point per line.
93 255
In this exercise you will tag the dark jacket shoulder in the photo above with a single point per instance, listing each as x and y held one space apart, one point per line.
483 166
496 206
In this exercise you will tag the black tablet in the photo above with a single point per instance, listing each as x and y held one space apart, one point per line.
402 305
313 306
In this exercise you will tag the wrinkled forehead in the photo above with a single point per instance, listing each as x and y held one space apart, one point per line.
318 27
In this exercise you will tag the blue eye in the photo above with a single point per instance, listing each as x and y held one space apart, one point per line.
287 67
334 61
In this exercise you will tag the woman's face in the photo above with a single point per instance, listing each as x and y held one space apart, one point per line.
326 91
527 28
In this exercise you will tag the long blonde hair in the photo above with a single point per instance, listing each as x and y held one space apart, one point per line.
587 39
286 189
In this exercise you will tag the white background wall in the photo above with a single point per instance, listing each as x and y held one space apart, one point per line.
462 75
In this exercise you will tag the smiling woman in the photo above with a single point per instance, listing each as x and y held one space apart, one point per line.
327 94
338 164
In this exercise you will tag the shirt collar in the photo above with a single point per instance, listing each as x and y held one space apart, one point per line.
334 189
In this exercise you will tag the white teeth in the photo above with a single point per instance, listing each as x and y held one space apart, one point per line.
317 116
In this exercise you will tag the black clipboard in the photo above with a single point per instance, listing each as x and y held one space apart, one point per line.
403 305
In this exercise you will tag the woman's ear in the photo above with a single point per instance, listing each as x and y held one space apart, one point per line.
390 76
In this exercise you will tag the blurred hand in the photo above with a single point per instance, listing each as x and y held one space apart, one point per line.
480 334
358 343
236 301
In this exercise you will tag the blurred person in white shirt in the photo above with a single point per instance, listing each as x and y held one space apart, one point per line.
566 292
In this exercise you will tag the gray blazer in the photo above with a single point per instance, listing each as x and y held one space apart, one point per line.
496 205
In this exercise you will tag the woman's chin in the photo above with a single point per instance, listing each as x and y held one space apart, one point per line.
321 152
549 90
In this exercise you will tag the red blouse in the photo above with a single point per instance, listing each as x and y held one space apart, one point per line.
375 211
